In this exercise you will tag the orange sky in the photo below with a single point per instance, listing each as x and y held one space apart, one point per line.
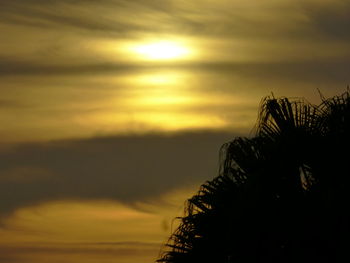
113 112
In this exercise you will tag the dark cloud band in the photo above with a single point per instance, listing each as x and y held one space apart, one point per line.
121 168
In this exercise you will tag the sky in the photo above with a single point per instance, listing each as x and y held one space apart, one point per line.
113 112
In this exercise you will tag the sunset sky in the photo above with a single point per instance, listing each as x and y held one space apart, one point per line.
113 111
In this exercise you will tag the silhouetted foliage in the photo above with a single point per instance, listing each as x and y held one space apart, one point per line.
281 196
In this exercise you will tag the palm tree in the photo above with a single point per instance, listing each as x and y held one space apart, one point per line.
281 196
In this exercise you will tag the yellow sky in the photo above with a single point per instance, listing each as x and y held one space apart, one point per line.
160 65
76 230
114 111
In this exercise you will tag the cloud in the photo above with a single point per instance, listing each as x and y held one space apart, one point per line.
72 36
101 247
104 16
287 19
126 252
7 103
330 19
126 168
15 67
26 174
313 70
298 42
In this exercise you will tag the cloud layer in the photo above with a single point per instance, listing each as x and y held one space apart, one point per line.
69 29
129 169
56 52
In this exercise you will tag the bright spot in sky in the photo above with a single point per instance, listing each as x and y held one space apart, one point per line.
162 50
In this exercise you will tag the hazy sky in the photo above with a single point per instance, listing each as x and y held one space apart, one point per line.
113 111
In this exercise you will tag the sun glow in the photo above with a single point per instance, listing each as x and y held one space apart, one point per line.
162 50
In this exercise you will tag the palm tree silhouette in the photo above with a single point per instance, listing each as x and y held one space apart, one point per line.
281 196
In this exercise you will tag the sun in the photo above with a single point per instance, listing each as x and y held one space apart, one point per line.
162 50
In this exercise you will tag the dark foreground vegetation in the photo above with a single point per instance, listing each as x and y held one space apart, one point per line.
281 196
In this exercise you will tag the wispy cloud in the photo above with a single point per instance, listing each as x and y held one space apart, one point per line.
330 19
67 34
224 18
127 252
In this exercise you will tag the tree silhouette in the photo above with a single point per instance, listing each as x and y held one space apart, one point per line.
281 196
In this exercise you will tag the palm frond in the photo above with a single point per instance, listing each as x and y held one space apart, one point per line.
277 193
